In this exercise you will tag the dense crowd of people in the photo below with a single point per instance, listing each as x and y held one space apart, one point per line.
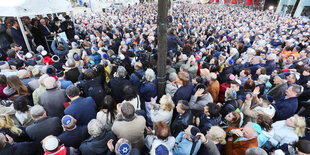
238 83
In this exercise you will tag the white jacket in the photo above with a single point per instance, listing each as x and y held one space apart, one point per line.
160 115
282 134
152 142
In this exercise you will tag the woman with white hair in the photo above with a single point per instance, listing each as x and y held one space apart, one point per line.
148 90
234 54
287 131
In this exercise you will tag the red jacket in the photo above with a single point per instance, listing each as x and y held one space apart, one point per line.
2 95
60 151
48 60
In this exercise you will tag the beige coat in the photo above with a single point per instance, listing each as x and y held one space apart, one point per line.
250 115
133 130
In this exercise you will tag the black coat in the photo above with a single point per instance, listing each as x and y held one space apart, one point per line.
207 122
44 127
222 77
22 148
44 31
181 122
69 31
72 75
229 106
97 145
38 37
117 85
75 137
93 88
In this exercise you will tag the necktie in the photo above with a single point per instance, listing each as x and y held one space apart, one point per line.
47 29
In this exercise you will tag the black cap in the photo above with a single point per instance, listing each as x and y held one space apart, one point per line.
67 17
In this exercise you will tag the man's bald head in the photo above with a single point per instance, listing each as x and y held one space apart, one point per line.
138 65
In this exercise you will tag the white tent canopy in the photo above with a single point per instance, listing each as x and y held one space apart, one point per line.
20 8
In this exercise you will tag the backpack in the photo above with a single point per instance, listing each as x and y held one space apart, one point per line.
94 89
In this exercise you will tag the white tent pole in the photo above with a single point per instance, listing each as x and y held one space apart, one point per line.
23 33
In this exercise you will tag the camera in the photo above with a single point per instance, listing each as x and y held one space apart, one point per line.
6 103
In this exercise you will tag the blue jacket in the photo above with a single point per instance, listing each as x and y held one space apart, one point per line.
58 52
183 93
173 42
65 83
82 109
285 108
96 57
270 66
135 80
184 146
148 90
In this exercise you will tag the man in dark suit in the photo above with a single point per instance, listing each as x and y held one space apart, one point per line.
42 125
17 36
68 27
44 29
117 84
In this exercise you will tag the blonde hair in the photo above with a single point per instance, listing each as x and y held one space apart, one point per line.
166 103
217 134
7 123
300 125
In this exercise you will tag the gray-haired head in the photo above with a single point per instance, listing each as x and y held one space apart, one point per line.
95 128
121 71
255 151
128 111
72 91
173 76
150 75
42 78
70 63
298 89
37 111
50 82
